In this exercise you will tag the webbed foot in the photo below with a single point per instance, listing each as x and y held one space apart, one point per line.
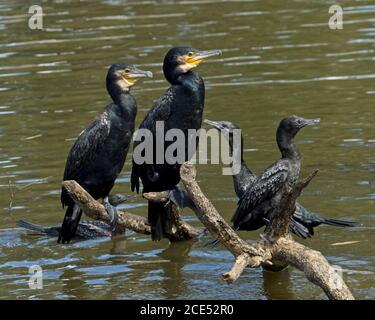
181 198
112 212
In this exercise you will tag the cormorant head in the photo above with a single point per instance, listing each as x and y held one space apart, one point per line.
291 125
181 60
287 130
121 77
224 127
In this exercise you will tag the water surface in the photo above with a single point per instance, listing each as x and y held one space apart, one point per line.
279 58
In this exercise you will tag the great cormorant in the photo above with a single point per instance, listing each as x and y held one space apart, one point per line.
99 153
180 107
303 221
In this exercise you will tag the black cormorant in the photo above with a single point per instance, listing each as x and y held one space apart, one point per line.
303 221
87 229
180 107
99 153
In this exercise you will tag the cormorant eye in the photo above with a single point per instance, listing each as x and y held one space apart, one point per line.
190 54
299 122
127 70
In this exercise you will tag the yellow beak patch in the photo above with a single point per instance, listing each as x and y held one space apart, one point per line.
129 80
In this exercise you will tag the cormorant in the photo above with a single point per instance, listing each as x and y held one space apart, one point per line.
87 229
303 221
99 153
180 107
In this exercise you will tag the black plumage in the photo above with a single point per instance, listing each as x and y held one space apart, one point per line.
181 107
302 222
85 229
99 153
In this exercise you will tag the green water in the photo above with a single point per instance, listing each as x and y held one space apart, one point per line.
279 58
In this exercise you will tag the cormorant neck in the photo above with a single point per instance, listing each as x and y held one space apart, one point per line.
286 146
121 99
243 177
175 77
238 149
118 91
126 106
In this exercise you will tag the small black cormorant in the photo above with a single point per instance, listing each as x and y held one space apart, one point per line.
99 153
86 229
303 221
181 107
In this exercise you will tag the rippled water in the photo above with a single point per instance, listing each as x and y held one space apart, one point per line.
279 58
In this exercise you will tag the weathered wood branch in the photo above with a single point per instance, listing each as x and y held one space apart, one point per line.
95 210
275 245
315 266
213 221
274 250
180 229
162 196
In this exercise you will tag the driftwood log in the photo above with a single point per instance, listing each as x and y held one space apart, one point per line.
274 251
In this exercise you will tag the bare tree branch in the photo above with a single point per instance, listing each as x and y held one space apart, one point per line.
180 229
275 247
275 250
96 210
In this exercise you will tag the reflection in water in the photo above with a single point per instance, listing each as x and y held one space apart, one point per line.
278 285
119 244
278 59
178 255
73 286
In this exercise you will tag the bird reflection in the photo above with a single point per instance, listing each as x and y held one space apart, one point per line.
175 285
278 285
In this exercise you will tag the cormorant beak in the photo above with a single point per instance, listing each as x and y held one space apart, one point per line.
198 57
134 74
215 124
310 122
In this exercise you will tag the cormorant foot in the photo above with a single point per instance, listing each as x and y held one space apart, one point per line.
180 198
152 175
112 212
212 244
176 196
117 199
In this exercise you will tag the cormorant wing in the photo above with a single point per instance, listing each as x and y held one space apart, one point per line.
87 145
159 112
264 187
243 181
301 214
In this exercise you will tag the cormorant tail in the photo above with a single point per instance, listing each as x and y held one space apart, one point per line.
339 223
159 217
40 229
299 230
70 224
134 179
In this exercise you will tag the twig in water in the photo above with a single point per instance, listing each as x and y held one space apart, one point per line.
13 189
11 195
